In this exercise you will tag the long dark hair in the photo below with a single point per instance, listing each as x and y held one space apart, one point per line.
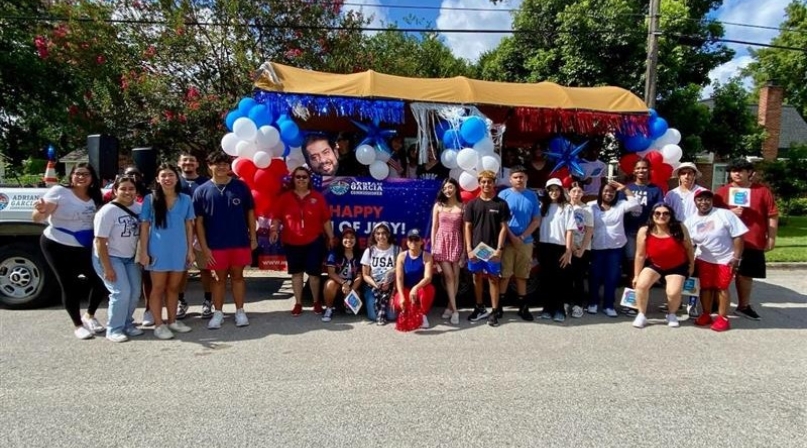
546 201
675 225
371 239
599 196
442 198
159 202
120 180
339 250
94 190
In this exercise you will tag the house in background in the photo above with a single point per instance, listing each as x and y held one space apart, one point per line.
783 124
73 158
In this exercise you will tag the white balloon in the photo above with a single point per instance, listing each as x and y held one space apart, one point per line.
449 159
228 143
467 158
245 149
491 163
455 173
295 150
382 155
671 137
675 165
484 146
278 149
379 170
245 129
294 162
468 181
262 159
675 136
365 154
267 137
671 153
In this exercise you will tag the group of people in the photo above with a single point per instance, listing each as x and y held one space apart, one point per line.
210 222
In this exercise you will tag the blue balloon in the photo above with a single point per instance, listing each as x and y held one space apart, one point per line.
636 143
451 139
657 127
473 129
231 117
260 115
295 142
440 129
559 144
245 105
653 113
289 131
287 149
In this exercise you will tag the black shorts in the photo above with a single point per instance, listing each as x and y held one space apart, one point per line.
307 258
753 264
682 269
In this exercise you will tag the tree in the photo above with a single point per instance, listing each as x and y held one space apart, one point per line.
785 67
419 56
732 130
690 116
788 178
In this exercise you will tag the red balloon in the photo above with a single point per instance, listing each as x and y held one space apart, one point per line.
655 158
567 182
468 195
627 162
278 168
245 169
263 203
263 179
560 174
661 176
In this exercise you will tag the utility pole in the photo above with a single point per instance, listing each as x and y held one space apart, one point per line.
652 55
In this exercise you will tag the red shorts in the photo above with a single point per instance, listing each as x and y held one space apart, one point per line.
227 258
714 276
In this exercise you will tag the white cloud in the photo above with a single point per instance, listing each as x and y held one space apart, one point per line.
727 71
469 45
371 9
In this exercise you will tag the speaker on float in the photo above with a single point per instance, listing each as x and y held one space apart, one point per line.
102 151
146 161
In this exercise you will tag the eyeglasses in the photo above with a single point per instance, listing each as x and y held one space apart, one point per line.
82 174
661 214
301 177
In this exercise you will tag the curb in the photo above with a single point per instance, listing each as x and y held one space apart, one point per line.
790 266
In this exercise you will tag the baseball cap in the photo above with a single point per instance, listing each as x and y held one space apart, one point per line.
413 233
704 192
554 181
348 229
689 165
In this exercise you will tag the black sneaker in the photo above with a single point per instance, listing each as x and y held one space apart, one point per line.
747 312
499 312
182 309
493 321
524 313
479 313
630 312
207 310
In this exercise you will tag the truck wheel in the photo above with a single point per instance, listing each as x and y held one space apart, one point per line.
25 278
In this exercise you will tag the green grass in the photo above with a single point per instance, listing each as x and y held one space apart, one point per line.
791 241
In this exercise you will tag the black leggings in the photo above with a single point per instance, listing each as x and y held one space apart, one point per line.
67 263
556 282
579 271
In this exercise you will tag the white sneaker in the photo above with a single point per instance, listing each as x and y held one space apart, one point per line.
162 332
93 325
215 321
179 327
425 323
241 318
455 318
148 319
577 312
592 309
327 315
83 333
672 321
133 331
610 312
117 337
447 314
640 321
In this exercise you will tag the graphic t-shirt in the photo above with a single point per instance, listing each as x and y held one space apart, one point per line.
347 269
381 262
582 219
713 234
761 207
486 218
647 196
71 214
121 229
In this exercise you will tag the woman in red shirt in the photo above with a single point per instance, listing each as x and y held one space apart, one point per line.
663 249
300 216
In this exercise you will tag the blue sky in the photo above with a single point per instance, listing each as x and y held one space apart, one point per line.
755 12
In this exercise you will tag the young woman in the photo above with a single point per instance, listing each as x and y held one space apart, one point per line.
166 239
581 247
447 242
607 244
344 271
67 244
304 217
378 272
117 231
555 250
413 277
663 249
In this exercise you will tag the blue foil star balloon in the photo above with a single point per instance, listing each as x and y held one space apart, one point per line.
568 156
374 135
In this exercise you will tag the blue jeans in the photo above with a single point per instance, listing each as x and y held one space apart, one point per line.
605 271
124 292
369 304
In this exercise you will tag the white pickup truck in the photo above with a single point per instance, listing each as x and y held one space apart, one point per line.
25 278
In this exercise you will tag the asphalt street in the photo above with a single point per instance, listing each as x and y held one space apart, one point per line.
298 382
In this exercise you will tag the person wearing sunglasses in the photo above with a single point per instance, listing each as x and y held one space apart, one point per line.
300 218
663 249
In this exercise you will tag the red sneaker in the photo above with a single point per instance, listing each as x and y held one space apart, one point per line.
297 310
704 320
317 308
721 324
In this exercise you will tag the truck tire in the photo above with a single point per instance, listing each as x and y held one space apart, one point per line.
25 278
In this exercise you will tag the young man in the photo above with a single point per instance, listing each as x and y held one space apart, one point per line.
225 227
759 213
191 180
321 156
682 198
525 217
486 219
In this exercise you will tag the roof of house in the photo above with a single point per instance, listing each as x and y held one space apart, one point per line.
79 155
794 128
